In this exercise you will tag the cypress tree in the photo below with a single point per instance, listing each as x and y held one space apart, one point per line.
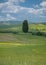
25 26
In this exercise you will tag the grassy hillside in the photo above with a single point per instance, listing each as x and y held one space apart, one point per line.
38 27
18 27
18 48
13 33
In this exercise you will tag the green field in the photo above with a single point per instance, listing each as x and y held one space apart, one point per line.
11 54
18 48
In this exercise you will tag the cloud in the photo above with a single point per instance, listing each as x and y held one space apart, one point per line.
16 1
10 17
43 4
9 8
39 10
7 17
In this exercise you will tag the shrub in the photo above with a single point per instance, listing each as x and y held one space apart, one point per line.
39 33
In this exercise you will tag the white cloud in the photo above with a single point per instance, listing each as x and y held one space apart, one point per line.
16 1
43 4
8 17
32 10
9 7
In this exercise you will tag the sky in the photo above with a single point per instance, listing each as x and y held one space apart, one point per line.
19 10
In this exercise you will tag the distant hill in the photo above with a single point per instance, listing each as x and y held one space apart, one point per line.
44 23
18 22
10 22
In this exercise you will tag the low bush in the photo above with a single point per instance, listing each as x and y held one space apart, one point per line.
39 33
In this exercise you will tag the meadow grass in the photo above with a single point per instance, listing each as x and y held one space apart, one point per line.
22 49
23 38
21 54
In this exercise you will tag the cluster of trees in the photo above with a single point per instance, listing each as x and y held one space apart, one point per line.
25 29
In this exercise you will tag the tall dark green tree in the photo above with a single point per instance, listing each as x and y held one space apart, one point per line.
25 26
